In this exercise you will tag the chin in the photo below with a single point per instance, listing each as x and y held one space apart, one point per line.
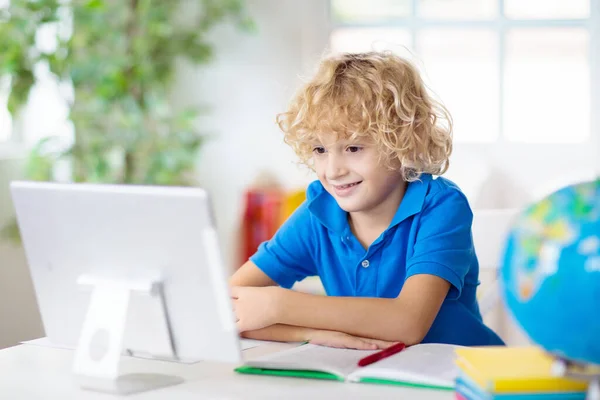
349 206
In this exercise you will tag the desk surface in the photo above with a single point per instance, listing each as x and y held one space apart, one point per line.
35 372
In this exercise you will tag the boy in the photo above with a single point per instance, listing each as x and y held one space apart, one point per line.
391 245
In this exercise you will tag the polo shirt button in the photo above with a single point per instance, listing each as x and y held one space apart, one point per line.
365 263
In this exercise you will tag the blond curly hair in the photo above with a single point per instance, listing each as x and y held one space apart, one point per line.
377 96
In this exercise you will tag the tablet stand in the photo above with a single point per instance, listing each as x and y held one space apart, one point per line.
112 303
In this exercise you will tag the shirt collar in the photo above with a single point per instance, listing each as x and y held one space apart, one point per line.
324 207
413 200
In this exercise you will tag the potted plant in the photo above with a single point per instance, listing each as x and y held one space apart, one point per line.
117 60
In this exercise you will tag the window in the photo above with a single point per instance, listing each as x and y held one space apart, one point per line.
508 70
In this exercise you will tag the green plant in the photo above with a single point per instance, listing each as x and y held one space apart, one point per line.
119 58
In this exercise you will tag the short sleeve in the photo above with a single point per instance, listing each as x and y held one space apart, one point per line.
286 258
444 244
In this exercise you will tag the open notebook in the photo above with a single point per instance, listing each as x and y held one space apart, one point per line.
422 365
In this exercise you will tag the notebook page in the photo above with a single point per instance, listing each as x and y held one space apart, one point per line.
427 364
309 357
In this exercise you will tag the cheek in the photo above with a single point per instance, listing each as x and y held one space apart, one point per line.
373 173
319 167
385 178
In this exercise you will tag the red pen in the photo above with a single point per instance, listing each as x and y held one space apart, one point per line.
390 351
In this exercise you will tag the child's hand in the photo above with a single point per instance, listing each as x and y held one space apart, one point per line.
255 307
345 341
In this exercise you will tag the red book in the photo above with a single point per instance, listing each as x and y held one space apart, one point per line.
261 218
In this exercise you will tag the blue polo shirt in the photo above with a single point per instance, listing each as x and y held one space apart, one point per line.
429 234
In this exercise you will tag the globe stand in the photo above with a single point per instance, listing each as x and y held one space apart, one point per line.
579 371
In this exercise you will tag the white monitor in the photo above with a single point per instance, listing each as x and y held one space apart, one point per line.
127 268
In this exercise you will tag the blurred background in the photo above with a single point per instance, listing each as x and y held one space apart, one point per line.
186 93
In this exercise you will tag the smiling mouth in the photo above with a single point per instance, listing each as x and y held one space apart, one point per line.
340 187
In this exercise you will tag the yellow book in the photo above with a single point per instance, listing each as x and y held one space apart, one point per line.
292 201
499 369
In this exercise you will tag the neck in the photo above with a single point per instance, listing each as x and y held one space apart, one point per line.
379 217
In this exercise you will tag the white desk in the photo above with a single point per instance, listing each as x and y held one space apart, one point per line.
34 372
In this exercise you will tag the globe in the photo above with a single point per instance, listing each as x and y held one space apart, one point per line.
550 274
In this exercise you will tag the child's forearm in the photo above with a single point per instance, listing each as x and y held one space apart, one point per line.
287 333
406 318
281 333
377 318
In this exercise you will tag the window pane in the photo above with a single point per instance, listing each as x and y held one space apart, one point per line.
462 69
458 9
47 101
547 86
541 9
368 39
369 11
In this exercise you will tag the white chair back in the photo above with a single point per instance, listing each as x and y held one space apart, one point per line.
490 232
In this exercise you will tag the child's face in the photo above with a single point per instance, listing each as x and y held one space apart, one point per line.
353 174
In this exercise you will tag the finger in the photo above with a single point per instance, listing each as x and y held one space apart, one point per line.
240 326
234 292
359 344
337 344
343 341
381 344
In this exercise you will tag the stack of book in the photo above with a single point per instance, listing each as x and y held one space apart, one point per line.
512 373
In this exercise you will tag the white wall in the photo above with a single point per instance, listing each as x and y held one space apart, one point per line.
252 79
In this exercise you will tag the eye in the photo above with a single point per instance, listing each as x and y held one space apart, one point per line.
318 150
354 149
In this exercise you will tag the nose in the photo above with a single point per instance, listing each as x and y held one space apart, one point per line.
336 167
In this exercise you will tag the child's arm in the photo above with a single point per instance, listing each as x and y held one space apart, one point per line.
288 333
250 275
406 318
